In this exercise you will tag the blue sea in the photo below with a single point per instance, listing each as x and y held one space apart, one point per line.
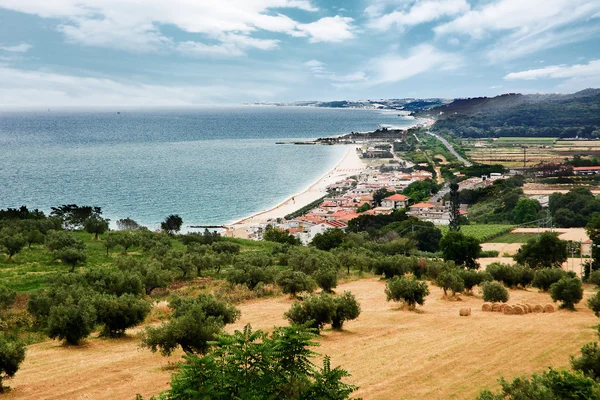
210 165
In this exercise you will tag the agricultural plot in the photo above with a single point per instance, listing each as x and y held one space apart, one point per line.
482 232
513 238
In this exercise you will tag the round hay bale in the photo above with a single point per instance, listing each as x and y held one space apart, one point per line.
538 308
524 307
518 310
503 306
497 307
464 311
508 310
529 308
549 308
486 307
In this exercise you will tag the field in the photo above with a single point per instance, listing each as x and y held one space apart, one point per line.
513 238
481 232
391 353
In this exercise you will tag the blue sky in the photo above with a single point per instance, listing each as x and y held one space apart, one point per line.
187 52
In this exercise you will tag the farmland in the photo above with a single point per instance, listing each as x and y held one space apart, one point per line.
481 232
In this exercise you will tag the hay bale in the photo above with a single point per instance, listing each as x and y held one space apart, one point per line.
529 308
508 310
486 307
503 306
549 308
524 307
518 310
464 311
497 307
538 308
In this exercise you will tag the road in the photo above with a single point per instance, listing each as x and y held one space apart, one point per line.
451 149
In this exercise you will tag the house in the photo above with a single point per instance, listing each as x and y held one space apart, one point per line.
395 201
586 170
437 213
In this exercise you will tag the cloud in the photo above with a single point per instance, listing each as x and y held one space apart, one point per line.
590 69
21 88
418 13
134 25
20 48
525 26
319 70
230 45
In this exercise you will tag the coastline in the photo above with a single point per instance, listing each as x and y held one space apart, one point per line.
350 164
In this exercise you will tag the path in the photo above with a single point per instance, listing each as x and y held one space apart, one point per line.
451 149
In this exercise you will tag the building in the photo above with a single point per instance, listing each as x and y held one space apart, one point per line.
395 201
586 170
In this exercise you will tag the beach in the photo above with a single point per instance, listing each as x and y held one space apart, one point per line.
350 165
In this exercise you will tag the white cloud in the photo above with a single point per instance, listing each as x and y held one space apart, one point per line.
559 72
230 45
319 70
20 48
328 29
133 25
528 25
418 13
20 88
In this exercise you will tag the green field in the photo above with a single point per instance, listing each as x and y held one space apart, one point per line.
482 232
528 140
513 238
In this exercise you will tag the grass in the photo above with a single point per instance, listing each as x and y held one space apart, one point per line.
390 353
481 232
513 238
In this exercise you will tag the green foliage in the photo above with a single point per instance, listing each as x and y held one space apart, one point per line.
595 278
127 224
379 195
95 225
152 275
326 278
305 209
390 266
425 234
495 292
72 320
461 249
544 278
309 260
526 210
317 310
195 322
410 291
346 308
280 368
450 279
11 242
421 190
118 313
573 209
546 251
569 291
294 282
250 275
74 216
589 361
364 207
7 297
12 354
226 247
472 278
206 237
66 247
552 384
594 303
329 239
511 275
280 236
367 222
172 224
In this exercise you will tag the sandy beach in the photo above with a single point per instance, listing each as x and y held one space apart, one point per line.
350 165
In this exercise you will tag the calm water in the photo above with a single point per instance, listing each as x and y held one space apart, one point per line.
209 165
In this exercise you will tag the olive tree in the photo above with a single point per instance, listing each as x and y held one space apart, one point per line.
12 354
569 291
410 291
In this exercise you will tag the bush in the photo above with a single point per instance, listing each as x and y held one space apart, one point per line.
410 291
450 279
226 247
488 253
495 292
294 282
315 311
72 320
7 297
251 276
594 303
390 266
119 313
595 278
472 278
346 308
569 291
589 362
511 275
326 279
544 278
12 354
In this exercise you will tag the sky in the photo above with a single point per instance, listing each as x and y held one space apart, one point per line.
198 52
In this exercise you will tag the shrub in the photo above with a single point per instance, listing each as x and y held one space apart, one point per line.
326 279
226 247
495 292
390 266
450 279
410 291
595 278
594 303
346 308
294 282
72 320
251 276
119 313
472 278
12 354
315 311
511 275
589 362
569 291
488 254
545 277
7 297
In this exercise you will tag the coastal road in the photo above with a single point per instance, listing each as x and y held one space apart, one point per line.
451 149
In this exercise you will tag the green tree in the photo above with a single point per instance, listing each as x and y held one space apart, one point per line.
461 249
315 311
364 207
589 361
11 242
495 292
172 224
326 278
454 207
472 278
450 279
7 297
346 308
72 320
544 278
569 291
12 354
127 224
294 282
594 303
545 251
379 195
280 236
410 291
526 210
95 226
71 256
329 239
117 313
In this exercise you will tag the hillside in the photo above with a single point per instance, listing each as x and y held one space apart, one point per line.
553 115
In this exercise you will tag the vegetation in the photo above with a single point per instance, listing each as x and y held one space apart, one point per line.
495 292
463 250
573 209
545 251
544 278
409 291
12 354
317 310
569 291
172 224
280 236
511 275
483 233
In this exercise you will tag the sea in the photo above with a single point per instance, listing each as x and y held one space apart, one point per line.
210 165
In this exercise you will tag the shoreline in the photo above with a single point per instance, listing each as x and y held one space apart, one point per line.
350 164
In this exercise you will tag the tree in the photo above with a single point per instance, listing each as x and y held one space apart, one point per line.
461 249
593 230
330 239
450 279
594 303
454 207
379 195
73 216
495 292
95 226
472 278
151 273
11 242
569 291
589 362
526 210
127 224
7 297
326 278
294 282
315 311
72 320
118 313
364 207
71 256
410 291
545 251
194 323
12 354
281 368
544 278
346 308
172 224
280 236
